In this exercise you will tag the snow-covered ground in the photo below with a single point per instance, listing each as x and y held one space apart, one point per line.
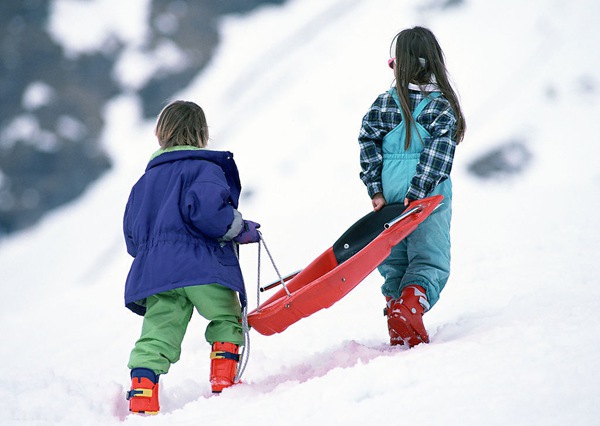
515 336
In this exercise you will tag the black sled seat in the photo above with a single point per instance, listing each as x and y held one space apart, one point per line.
364 231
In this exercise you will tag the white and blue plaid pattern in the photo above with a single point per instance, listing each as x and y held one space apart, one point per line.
435 162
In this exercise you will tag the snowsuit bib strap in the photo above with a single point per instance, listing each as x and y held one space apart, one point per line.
430 97
419 109
400 163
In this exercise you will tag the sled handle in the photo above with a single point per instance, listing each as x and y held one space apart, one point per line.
416 209
278 282
402 216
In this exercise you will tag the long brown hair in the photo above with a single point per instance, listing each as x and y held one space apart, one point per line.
414 45
182 123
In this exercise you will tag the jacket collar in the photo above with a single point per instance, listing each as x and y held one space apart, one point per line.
223 159
173 149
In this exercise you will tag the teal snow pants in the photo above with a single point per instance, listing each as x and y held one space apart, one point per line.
422 258
167 317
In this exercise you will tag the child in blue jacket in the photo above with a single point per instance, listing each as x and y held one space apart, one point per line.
181 226
407 143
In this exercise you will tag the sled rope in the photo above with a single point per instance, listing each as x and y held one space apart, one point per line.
245 352
262 243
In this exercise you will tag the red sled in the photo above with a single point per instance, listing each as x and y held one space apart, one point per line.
341 267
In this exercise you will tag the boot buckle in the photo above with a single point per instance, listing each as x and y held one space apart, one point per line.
144 393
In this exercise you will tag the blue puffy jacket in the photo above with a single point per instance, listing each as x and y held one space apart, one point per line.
176 214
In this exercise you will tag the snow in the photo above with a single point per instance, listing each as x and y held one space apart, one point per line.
36 95
515 336
137 66
26 127
92 25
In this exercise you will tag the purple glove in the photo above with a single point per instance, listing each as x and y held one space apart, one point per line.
249 233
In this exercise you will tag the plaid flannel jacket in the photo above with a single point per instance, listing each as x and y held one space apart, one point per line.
435 162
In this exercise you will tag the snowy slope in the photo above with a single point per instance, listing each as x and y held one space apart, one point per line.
516 333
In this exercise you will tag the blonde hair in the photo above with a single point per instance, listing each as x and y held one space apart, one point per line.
182 123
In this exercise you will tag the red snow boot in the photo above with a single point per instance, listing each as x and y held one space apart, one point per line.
223 365
405 317
143 396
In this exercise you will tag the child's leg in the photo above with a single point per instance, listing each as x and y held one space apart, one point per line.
429 254
219 305
165 323
392 269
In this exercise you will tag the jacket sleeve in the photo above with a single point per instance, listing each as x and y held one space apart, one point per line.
370 141
206 205
435 162
235 228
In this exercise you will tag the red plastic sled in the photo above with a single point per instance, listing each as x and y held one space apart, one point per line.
341 267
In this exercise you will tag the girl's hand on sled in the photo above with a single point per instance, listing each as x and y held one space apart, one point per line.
378 201
407 201
249 233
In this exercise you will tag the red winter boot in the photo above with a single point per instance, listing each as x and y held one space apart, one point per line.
143 396
405 317
223 365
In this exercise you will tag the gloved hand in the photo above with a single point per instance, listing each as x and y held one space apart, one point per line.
249 233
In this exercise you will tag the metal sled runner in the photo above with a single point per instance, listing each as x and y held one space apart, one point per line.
341 267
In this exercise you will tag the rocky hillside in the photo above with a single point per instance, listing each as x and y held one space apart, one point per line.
51 109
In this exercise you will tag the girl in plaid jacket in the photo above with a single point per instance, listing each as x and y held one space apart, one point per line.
407 143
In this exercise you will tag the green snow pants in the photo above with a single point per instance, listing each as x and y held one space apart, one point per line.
168 315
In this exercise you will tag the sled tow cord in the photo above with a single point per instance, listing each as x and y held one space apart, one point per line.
245 352
281 280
